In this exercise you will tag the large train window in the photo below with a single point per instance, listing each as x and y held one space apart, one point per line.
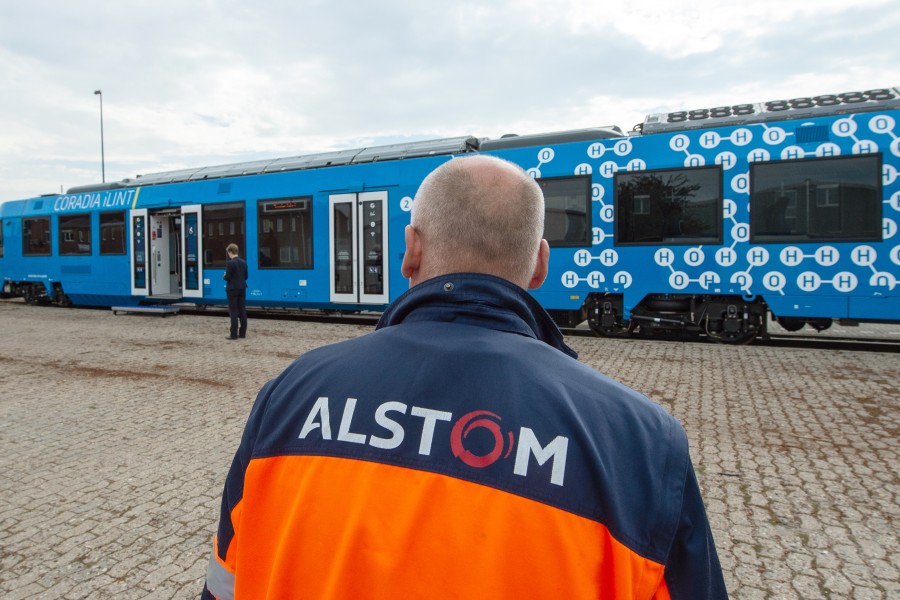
75 234
670 206
223 224
285 233
821 199
567 210
36 237
112 232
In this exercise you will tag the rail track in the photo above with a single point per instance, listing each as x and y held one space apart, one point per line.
775 340
810 340
780 340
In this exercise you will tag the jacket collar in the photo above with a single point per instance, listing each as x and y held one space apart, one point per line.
476 299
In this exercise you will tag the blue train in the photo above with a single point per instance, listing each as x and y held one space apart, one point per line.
711 221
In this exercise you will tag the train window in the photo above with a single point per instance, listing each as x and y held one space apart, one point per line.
224 225
112 233
671 206
36 237
75 234
822 199
285 233
567 210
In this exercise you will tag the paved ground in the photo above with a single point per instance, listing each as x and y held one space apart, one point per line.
116 433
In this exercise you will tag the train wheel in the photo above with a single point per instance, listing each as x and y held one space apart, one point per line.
820 324
605 321
736 338
791 323
28 293
620 329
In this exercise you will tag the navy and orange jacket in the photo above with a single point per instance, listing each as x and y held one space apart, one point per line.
460 451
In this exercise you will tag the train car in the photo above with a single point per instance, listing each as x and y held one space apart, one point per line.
709 221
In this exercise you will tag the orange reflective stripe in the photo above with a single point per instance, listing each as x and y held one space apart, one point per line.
337 528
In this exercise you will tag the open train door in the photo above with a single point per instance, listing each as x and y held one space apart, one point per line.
358 248
191 251
140 284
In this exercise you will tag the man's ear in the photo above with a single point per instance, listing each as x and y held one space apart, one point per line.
412 258
542 266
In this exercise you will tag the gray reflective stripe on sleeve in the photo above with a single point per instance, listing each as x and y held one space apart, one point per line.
219 581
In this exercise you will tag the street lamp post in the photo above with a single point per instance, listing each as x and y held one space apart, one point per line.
102 154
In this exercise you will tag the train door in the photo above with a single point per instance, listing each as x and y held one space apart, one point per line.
140 283
160 259
358 248
191 251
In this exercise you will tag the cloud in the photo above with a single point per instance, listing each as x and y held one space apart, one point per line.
203 82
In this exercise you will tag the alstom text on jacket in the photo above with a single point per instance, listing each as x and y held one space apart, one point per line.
428 422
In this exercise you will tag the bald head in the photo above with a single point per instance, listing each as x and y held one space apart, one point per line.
477 214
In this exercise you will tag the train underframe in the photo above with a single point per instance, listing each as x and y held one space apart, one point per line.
721 318
35 293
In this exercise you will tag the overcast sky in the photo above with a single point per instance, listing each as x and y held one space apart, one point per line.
189 83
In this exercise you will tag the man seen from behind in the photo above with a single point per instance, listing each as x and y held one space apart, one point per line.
461 450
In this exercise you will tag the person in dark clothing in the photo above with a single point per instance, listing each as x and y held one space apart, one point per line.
236 287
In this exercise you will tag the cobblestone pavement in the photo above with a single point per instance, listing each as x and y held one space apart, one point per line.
116 433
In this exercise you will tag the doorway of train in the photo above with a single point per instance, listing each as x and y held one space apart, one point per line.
165 251
358 248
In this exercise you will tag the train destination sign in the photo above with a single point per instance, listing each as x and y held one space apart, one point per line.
95 200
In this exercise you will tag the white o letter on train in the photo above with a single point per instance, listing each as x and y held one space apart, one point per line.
774 135
742 279
694 256
622 147
608 213
679 280
679 142
844 127
741 183
622 278
774 281
882 124
740 232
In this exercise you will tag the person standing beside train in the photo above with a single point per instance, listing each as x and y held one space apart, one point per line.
236 288
461 450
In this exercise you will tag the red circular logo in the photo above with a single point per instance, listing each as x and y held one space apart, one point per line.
469 422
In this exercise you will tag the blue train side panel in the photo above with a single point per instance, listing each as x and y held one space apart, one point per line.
818 274
95 279
157 265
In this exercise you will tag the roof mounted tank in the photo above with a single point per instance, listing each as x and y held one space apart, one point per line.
558 137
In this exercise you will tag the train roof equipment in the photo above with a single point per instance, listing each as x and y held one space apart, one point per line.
773 110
